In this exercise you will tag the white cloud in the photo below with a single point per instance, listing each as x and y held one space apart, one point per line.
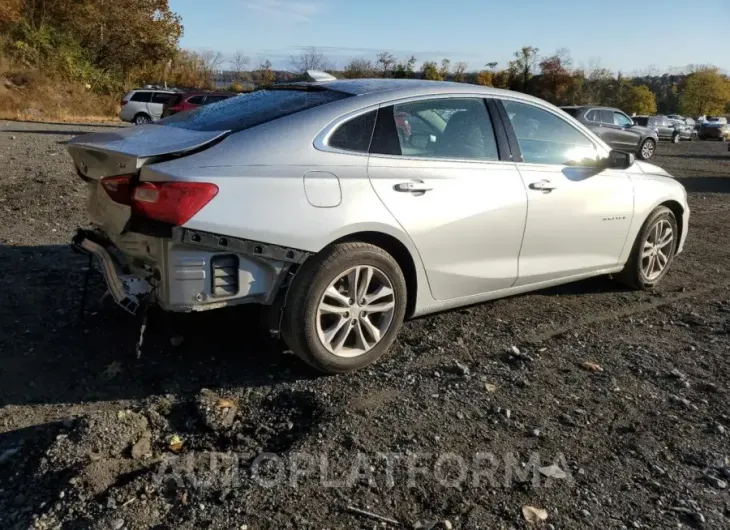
299 11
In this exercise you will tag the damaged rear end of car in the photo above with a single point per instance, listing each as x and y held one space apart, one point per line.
146 252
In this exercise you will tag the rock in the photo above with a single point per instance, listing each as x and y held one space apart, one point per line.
586 513
680 401
715 482
536 433
143 446
490 388
718 428
515 350
534 515
460 369
677 374
215 412
725 472
117 524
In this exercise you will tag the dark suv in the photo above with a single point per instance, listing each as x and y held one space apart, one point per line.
616 129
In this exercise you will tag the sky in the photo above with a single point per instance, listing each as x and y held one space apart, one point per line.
622 35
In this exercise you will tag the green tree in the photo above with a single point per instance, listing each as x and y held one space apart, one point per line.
386 62
430 70
405 70
265 76
359 68
639 99
459 70
705 93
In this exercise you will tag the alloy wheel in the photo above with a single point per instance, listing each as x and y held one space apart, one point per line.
657 249
647 150
355 311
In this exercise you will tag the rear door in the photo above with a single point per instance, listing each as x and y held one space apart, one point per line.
578 216
435 164
627 137
156 103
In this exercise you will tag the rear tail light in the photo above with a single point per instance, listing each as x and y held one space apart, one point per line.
170 202
119 188
123 102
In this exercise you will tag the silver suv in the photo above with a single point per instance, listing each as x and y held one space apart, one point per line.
143 106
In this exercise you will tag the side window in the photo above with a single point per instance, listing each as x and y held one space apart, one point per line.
606 116
593 116
141 97
355 134
621 119
438 128
545 138
196 100
161 97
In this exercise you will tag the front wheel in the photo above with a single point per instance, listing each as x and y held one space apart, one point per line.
653 250
141 119
647 149
345 307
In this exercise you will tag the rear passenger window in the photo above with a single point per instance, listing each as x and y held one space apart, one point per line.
355 134
606 116
544 138
141 97
437 128
593 116
196 100
161 97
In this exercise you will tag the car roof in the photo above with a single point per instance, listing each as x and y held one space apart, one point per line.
408 87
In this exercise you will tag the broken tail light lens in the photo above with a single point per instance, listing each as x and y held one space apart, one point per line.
171 202
118 188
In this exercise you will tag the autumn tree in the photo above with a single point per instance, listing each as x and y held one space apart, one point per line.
485 78
445 68
459 70
706 92
430 70
359 68
637 99
555 77
265 76
522 66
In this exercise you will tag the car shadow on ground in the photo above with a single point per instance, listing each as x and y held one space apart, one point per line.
706 184
49 353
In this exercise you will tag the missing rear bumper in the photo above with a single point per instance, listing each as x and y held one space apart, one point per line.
128 291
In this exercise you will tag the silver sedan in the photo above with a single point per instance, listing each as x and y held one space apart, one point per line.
349 206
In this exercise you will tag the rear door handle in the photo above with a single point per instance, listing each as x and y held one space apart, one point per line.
412 186
542 185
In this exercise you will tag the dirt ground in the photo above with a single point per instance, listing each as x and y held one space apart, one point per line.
479 418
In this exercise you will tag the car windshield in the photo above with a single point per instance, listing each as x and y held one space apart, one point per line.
641 121
248 110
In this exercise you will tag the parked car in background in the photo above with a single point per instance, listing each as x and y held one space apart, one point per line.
142 106
667 128
310 199
616 129
714 130
192 100
717 119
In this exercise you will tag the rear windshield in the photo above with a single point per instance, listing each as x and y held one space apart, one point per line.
248 110
572 111
641 121
173 100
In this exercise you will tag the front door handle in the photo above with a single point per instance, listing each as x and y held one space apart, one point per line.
542 185
412 186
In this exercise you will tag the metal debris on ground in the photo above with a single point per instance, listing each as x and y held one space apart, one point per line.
358 511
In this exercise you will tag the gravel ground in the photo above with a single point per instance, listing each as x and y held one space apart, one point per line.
605 408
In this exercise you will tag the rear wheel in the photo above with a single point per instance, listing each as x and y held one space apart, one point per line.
653 250
141 119
647 149
345 307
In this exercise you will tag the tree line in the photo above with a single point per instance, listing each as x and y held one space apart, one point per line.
112 45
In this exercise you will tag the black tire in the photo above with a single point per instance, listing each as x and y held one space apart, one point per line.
633 272
646 149
141 119
299 325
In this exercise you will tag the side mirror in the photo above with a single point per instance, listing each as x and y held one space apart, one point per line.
619 160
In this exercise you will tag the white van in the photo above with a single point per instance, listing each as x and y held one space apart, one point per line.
143 106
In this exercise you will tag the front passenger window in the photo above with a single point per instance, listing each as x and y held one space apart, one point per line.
544 138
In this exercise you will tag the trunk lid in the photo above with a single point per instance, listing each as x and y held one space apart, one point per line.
124 152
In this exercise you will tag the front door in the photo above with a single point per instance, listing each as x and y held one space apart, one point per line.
578 216
435 165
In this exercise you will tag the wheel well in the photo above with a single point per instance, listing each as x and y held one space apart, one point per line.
678 212
142 114
401 255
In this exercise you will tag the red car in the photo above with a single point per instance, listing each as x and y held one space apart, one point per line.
192 100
